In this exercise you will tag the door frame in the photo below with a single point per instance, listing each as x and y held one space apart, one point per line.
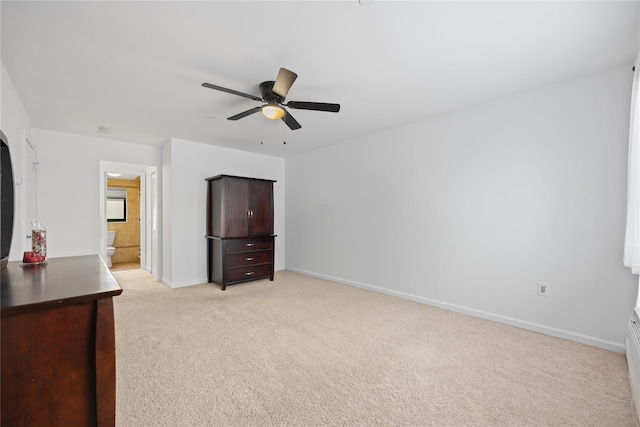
30 211
149 248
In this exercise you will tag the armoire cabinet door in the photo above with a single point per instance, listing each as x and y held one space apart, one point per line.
261 217
236 210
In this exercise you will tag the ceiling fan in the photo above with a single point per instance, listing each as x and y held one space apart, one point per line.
274 93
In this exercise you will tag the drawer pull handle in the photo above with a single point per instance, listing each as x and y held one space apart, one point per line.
250 244
250 259
249 273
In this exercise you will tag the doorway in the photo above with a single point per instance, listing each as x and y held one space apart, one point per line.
125 225
133 243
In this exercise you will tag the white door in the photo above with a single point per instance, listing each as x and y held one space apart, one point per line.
154 222
30 189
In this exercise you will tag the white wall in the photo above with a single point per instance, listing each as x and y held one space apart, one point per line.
68 186
14 122
471 209
189 165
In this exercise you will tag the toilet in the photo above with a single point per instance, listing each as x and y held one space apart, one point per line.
111 235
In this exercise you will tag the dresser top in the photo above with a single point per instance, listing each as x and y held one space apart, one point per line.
60 281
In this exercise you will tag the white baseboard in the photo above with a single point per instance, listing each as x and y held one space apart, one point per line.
192 282
184 283
523 324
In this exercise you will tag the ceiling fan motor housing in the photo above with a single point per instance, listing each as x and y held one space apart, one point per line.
266 89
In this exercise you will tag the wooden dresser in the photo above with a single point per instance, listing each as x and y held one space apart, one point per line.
58 343
240 239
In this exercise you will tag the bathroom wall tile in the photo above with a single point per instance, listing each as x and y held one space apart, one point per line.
127 240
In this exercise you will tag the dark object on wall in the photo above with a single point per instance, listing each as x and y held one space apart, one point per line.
274 93
7 201
240 239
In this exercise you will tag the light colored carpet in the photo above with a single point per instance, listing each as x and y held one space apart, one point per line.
306 352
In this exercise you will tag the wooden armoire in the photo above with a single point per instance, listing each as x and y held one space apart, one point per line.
240 239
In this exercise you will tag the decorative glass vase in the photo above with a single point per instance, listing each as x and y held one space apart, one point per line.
38 239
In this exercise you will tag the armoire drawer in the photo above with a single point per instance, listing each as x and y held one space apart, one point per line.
243 245
244 259
248 273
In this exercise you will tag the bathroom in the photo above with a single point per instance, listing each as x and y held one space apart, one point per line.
123 221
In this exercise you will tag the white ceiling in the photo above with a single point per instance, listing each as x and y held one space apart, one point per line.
137 67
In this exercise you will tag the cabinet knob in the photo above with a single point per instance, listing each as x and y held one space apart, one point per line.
250 244
249 273
250 259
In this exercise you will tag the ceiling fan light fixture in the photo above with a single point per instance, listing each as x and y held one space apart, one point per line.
272 111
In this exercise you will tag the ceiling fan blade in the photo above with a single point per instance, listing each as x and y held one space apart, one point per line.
317 106
290 121
244 113
231 91
283 83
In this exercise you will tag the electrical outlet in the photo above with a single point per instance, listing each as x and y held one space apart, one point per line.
543 289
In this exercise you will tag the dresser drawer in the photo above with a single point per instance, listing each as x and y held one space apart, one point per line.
244 259
244 245
248 273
